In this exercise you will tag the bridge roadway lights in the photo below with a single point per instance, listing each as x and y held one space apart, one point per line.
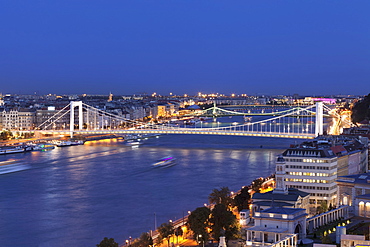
184 131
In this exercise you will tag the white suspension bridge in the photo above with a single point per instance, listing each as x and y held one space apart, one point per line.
303 123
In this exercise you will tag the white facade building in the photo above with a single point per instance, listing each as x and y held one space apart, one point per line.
14 119
274 224
313 166
354 191
244 217
315 174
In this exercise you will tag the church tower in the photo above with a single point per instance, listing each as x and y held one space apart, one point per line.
280 177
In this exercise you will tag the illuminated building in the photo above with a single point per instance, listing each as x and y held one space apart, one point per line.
160 111
354 191
44 114
354 240
329 101
274 224
313 167
14 119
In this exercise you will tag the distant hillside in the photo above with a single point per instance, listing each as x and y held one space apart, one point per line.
361 110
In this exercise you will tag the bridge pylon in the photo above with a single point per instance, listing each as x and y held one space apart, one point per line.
73 104
319 125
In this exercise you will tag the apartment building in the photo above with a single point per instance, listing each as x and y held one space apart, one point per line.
313 167
17 119
26 119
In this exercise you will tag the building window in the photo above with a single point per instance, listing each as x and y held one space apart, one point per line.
361 208
367 209
345 200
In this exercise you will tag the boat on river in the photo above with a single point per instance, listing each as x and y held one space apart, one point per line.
165 162
69 143
77 142
133 141
11 166
11 149
63 143
43 146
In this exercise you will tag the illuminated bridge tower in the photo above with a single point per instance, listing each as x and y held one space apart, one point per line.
72 116
319 125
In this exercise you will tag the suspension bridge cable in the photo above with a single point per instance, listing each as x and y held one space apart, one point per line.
39 127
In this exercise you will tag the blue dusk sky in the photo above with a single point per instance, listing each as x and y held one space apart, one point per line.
185 46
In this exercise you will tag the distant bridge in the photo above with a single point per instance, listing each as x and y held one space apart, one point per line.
215 111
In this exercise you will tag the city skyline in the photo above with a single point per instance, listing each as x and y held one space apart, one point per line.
305 48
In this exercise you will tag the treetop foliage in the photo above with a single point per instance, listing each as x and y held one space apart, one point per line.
107 242
221 196
198 222
361 110
242 199
165 231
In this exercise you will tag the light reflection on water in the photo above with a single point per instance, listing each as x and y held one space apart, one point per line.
76 196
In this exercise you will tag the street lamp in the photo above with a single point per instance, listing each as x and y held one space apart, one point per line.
234 123
169 237
200 239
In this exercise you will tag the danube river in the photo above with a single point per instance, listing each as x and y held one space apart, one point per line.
76 196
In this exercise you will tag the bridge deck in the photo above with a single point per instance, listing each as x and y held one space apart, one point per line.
186 131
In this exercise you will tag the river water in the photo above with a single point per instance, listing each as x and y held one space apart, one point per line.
76 196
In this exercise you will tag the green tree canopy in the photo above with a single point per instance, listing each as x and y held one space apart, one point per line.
323 207
5 135
361 110
198 222
166 230
145 240
221 196
241 200
107 242
223 222
257 184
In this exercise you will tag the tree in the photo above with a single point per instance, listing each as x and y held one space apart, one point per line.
241 200
221 196
145 240
325 239
323 207
223 222
166 230
6 135
107 243
198 222
178 232
257 184
361 110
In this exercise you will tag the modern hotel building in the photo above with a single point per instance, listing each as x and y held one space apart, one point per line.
314 166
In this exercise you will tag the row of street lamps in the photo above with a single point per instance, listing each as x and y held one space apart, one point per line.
199 237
